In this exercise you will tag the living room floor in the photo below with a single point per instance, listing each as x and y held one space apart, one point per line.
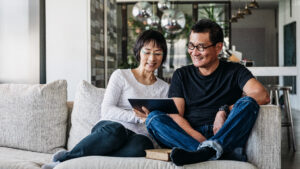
290 160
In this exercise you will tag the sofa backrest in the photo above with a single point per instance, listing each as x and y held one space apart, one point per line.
86 112
264 144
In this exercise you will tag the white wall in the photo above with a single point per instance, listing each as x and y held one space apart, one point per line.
19 41
284 18
255 37
67 42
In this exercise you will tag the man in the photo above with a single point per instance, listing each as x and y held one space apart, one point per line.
214 119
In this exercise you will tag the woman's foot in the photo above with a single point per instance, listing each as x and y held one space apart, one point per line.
58 155
50 165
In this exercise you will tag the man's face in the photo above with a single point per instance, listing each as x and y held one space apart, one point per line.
207 57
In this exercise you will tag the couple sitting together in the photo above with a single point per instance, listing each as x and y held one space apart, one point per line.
218 103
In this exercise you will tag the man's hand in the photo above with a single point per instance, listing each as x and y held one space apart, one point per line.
219 121
142 115
185 125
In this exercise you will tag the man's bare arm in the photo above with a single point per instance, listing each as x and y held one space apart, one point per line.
256 90
252 88
183 123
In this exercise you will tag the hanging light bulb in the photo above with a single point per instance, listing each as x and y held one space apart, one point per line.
163 5
141 11
233 19
253 4
153 21
239 14
247 11
173 21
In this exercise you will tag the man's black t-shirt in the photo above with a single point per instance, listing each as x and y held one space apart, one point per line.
204 95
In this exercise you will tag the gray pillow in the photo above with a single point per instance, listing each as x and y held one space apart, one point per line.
33 117
86 112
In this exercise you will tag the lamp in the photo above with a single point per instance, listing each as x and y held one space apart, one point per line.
172 21
141 11
163 5
239 14
154 20
247 11
253 4
233 19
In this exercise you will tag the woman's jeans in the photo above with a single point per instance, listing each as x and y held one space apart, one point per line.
110 139
229 140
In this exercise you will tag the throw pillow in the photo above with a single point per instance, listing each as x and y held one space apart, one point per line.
86 112
33 117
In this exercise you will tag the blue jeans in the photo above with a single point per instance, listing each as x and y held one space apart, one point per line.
231 138
110 138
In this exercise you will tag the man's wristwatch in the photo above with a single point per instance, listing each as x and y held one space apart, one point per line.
225 108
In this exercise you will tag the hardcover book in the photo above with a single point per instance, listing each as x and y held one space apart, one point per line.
159 154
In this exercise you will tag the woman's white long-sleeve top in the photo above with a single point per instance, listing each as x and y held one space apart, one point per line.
121 86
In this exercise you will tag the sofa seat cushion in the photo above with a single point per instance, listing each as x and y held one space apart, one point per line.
19 159
102 162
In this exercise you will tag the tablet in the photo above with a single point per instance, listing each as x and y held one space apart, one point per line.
164 105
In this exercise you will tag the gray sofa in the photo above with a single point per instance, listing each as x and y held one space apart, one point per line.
36 120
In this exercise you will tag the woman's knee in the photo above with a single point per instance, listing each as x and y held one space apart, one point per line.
140 143
109 127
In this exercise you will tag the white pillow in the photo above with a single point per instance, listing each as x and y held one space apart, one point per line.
33 117
86 112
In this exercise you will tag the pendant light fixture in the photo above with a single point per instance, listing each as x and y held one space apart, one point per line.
173 21
141 11
253 4
246 11
240 14
154 20
163 5
233 19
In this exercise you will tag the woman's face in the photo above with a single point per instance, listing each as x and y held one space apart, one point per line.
150 57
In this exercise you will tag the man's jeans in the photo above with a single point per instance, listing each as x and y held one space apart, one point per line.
231 138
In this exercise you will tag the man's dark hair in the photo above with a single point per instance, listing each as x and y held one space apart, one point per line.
214 30
150 36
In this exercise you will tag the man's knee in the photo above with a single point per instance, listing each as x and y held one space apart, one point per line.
248 101
154 116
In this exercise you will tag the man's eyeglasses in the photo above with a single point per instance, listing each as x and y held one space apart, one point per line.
199 47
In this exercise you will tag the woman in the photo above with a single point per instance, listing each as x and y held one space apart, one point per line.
120 132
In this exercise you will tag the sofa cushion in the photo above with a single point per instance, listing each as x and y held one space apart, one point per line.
21 159
86 112
101 162
33 117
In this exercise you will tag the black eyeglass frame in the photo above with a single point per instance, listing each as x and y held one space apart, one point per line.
199 47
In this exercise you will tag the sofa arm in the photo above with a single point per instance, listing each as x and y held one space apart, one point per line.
264 143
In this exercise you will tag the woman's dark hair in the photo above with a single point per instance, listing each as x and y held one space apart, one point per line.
150 36
214 30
